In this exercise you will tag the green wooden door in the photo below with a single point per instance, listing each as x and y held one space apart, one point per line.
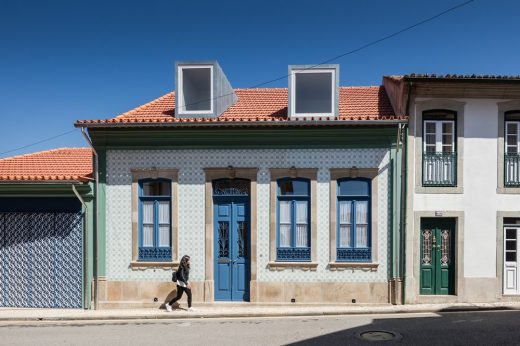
437 256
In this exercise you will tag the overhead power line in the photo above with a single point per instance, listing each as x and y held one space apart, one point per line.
360 48
35 143
326 61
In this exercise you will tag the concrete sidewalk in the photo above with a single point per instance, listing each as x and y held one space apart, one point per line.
245 310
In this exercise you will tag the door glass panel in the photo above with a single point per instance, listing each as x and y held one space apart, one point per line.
427 247
445 247
223 239
241 232
510 256
510 233
511 245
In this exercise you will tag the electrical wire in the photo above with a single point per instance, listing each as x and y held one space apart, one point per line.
367 45
35 143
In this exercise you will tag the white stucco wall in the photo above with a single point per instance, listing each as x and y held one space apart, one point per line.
479 200
192 203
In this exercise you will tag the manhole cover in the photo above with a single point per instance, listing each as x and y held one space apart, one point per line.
379 335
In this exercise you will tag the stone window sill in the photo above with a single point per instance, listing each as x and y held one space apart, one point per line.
154 265
278 266
353 265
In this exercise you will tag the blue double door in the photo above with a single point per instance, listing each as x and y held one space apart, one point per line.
232 248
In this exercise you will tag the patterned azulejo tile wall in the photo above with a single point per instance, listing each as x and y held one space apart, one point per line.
192 202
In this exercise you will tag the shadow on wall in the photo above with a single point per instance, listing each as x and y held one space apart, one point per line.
444 328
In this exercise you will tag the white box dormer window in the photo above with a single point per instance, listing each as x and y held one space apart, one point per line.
313 91
195 88
202 90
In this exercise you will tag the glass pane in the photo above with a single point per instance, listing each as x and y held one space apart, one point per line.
223 239
294 188
147 212
345 208
353 187
164 212
301 236
164 235
447 139
447 149
512 140
510 233
362 212
361 236
512 149
285 235
301 212
156 188
429 128
447 128
511 256
345 236
285 212
512 128
427 247
313 92
511 245
241 241
445 248
430 148
147 235
430 139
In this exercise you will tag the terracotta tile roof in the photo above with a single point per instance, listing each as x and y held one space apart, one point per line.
454 76
263 105
64 164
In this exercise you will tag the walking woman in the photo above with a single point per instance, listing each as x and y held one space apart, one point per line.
183 283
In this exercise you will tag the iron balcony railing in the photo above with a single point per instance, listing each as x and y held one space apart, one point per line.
512 169
439 169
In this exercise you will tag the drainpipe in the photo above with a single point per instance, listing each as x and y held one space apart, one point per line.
404 192
85 247
96 223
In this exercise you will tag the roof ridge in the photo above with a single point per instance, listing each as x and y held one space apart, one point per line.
43 152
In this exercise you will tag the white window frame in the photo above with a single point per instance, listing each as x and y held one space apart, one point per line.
182 105
517 136
438 134
293 91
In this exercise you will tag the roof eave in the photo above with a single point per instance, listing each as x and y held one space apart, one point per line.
244 123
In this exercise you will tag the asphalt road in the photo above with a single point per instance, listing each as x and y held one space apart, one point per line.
462 328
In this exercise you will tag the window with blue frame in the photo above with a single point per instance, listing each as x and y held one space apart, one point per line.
155 220
293 220
353 220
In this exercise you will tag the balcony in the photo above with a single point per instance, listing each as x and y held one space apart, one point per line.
439 169
512 170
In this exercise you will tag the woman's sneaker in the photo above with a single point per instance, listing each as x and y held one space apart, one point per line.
168 307
191 309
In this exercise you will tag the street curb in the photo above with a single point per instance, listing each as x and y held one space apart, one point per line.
174 316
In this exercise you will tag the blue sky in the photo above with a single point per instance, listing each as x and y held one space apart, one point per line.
66 60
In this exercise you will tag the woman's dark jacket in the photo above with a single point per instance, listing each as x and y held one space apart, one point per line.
183 274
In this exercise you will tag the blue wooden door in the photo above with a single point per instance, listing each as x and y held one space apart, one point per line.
231 248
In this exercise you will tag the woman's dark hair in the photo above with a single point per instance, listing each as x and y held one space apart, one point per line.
185 261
